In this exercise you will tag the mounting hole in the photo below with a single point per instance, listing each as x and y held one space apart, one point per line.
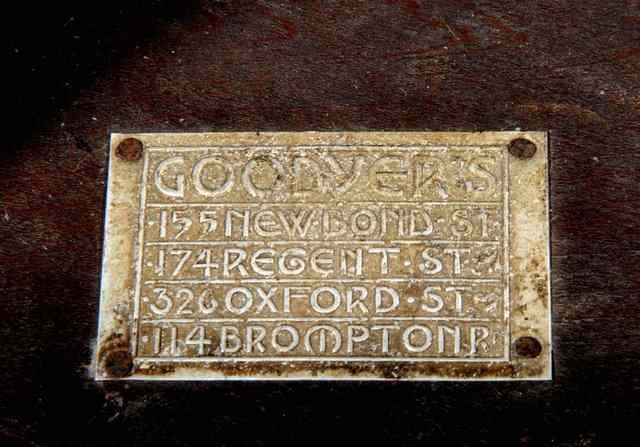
522 148
528 347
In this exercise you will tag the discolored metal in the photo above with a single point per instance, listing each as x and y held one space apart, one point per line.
118 364
419 256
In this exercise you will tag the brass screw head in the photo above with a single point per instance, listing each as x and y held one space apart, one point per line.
129 149
522 148
528 347
118 364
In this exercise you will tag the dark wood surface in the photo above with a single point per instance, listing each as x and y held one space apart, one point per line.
78 71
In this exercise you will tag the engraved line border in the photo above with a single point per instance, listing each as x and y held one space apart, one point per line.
301 319
347 147
342 146
506 273
326 203
328 241
208 359
135 327
335 280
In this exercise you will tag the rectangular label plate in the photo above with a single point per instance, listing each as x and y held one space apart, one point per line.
368 255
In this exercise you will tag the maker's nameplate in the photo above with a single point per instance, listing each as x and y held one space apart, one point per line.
326 256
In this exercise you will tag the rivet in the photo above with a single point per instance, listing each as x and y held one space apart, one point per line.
129 149
118 364
522 148
528 347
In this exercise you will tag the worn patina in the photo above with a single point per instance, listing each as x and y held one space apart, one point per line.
326 256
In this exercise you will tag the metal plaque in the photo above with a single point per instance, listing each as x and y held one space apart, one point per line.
313 255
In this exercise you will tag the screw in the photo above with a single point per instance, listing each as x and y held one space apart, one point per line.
522 148
129 149
118 364
528 347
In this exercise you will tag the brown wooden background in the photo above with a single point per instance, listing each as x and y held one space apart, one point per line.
78 71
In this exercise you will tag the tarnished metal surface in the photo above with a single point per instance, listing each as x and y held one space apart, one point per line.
326 256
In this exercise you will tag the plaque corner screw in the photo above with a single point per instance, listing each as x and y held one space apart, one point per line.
130 149
522 148
528 347
118 364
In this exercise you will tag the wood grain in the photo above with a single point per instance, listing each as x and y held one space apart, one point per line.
569 67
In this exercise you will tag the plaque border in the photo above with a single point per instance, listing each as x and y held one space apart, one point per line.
122 247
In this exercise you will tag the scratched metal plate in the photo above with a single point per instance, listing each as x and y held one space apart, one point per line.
311 255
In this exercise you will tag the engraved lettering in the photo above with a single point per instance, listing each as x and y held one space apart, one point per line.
323 331
279 333
176 190
263 168
356 334
389 175
417 338
386 299
223 183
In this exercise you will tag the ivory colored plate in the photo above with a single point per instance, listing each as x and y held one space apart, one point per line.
313 255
